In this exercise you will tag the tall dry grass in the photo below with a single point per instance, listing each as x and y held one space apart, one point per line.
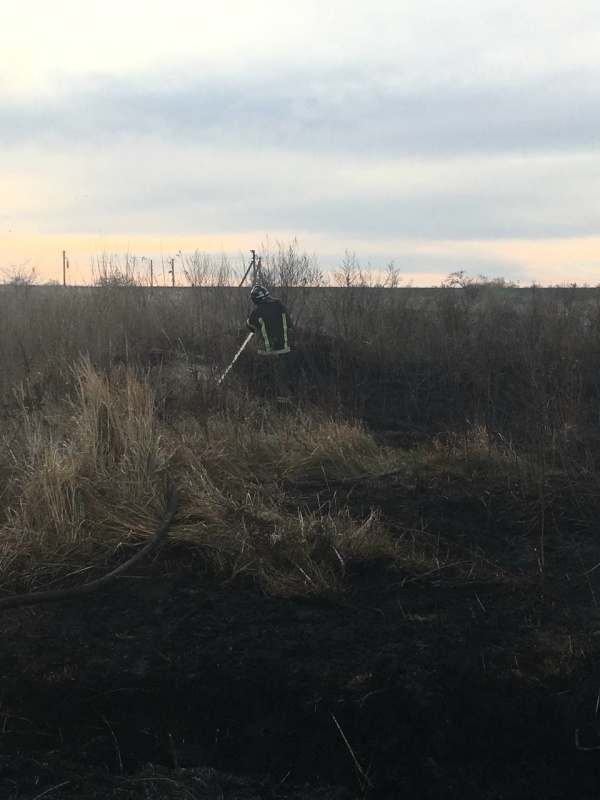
519 361
86 477
84 480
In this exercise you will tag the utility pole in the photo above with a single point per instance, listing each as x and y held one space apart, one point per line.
65 267
149 260
255 268
172 271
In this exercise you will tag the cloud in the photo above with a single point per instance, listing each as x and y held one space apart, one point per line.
375 112
462 40
170 188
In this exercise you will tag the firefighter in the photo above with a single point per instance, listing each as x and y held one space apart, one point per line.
272 322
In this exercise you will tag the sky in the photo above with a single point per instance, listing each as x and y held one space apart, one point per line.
442 135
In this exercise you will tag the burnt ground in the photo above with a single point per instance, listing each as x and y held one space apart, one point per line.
423 684
470 673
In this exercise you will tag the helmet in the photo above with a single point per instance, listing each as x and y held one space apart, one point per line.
258 294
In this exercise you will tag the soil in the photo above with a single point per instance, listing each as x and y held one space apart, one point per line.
175 684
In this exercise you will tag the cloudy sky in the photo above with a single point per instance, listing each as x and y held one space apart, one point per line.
442 135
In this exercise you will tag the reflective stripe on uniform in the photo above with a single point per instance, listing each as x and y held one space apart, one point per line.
265 335
285 339
274 352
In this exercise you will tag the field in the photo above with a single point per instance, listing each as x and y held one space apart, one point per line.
386 588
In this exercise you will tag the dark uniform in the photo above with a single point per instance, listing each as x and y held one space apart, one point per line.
271 321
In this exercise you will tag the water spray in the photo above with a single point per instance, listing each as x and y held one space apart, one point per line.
235 358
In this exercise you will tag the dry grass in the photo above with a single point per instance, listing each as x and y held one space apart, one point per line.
233 469
81 475
86 475
473 452
300 446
